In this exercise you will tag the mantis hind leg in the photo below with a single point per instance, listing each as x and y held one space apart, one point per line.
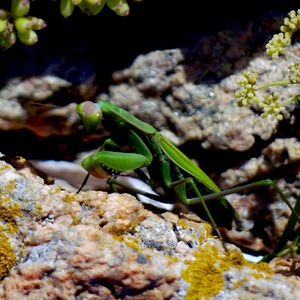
264 182
179 186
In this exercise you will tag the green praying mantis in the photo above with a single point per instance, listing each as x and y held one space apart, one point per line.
166 166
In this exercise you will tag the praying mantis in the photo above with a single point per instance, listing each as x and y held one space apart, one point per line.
166 166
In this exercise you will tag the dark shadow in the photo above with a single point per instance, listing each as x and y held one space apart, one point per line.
80 46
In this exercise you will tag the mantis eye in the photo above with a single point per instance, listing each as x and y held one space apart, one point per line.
90 114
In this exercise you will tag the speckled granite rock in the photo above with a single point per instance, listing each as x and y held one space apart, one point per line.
94 245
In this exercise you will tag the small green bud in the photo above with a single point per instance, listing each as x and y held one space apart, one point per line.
7 41
28 38
9 29
66 8
22 24
3 24
120 7
20 8
240 103
91 9
94 2
37 24
4 14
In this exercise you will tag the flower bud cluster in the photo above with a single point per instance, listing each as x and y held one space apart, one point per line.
277 44
247 92
271 104
16 23
93 7
295 70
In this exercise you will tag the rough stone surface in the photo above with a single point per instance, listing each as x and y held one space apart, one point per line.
205 115
95 245
185 92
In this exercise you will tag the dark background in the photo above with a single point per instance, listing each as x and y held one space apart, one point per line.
108 42
80 46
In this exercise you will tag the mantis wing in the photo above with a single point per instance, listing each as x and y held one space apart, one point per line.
221 210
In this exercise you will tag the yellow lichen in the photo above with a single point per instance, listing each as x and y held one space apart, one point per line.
9 210
208 229
205 273
38 207
8 258
8 214
173 258
121 216
69 198
5 167
119 228
11 185
56 190
129 241
132 244
76 220
261 269
182 223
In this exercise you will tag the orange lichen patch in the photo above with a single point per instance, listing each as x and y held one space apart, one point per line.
205 273
8 258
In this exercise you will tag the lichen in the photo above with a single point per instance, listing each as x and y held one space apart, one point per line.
76 220
69 198
8 258
132 244
205 272
182 223
9 210
121 225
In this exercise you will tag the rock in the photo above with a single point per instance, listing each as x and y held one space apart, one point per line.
31 115
63 244
93 245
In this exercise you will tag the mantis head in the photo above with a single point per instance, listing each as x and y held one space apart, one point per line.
90 114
